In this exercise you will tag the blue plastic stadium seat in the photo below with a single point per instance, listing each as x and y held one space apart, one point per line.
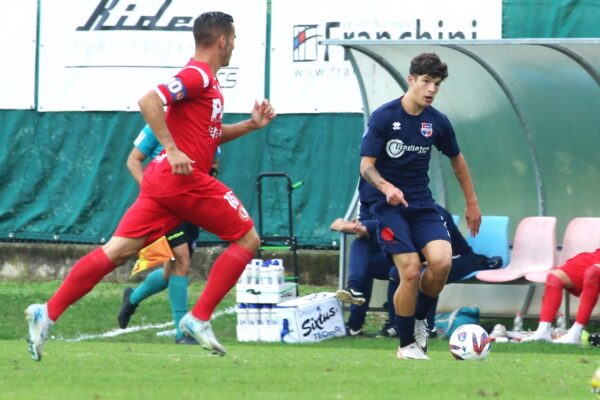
492 239
455 218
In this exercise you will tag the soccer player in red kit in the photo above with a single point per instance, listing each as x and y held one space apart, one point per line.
580 276
177 187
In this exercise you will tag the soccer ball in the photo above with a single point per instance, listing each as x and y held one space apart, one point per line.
470 342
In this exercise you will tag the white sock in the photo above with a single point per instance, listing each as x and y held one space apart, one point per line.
544 327
576 329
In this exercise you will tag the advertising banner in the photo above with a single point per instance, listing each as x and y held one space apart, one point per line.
106 54
307 77
18 25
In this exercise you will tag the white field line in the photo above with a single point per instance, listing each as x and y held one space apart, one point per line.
138 328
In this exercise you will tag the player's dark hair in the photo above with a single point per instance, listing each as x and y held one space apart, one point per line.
209 26
429 64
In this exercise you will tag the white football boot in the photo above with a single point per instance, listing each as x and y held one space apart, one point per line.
411 352
421 334
202 332
39 327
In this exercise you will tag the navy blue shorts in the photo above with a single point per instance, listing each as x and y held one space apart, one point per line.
408 229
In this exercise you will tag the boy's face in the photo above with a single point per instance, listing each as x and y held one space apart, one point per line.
424 88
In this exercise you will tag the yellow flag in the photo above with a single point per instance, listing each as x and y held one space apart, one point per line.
152 255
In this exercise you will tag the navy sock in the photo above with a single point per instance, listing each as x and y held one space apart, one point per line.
431 315
406 327
424 304
392 286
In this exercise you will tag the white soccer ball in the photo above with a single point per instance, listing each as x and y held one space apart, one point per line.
470 342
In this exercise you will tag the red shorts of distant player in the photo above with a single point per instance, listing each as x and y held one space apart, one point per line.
210 205
575 269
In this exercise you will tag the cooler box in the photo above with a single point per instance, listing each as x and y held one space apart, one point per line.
311 318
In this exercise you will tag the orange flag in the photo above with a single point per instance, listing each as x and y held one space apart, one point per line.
152 255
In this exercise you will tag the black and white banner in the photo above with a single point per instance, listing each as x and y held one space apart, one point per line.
18 28
307 77
106 54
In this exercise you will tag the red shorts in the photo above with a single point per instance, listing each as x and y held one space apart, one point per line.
210 205
575 269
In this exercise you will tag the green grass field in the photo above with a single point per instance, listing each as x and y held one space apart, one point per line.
142 365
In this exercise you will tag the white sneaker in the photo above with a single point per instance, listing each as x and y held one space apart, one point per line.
202 332
39 327
568 338
411 352
538 336
421 334
499 331
349 295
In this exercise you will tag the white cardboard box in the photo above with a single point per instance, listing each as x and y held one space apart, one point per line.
311 318
267 294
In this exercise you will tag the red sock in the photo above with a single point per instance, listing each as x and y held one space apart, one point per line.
85 274
552 298
222 277
589 294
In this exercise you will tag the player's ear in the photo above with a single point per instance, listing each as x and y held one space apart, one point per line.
222 41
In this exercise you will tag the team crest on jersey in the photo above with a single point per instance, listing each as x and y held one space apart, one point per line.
426 129
387 234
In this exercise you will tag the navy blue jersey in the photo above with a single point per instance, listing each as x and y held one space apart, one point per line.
402 144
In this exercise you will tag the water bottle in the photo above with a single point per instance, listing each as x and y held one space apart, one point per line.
265 314
242 282
518 323
274 316
277 272
265 274
254 272
242 314
253 321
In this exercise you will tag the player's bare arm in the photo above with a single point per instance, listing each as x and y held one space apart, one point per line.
261 116
135 164
153 111
393 195
463 176
360 230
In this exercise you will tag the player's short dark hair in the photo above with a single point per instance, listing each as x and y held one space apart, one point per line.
429 64
210 25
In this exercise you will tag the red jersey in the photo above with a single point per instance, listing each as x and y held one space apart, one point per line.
194 118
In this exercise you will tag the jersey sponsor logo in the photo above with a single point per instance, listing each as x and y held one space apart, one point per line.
176 89
395 148
217 109
214 131
426 129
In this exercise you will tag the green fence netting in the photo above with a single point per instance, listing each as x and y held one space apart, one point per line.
64 174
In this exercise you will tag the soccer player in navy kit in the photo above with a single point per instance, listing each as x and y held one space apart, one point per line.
395 155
